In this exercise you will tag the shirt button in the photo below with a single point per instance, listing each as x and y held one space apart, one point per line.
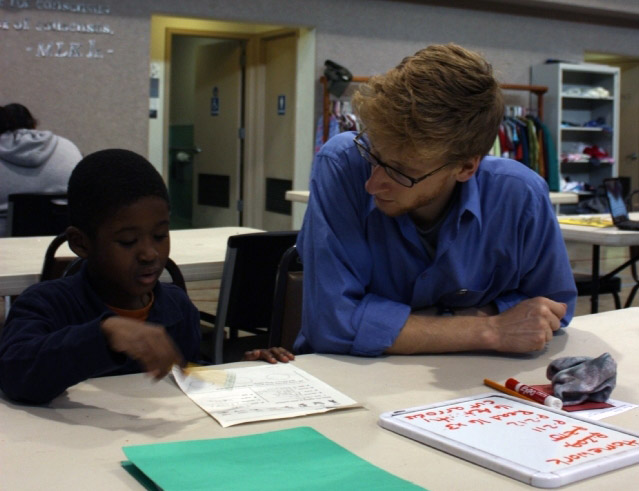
463 291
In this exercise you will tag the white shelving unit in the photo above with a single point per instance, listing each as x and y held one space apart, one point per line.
579 94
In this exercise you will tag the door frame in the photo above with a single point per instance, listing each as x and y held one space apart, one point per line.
253 191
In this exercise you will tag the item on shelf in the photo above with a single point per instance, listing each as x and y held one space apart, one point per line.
584 158
571 91
586 91
596 92
595 151
599 122
586 154
569 124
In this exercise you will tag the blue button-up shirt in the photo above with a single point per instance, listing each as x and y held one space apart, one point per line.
364 272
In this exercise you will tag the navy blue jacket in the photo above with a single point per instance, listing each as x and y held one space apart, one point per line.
52 337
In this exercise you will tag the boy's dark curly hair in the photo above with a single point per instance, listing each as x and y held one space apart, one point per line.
107 180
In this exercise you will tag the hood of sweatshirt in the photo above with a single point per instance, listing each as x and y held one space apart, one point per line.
27 148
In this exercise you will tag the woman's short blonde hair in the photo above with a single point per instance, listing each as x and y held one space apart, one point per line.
442 104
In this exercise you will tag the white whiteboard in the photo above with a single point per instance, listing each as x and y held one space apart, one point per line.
535 444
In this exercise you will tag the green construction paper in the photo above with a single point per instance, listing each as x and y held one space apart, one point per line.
139 476
297 458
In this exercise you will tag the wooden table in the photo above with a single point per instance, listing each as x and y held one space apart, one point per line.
199 253
76 442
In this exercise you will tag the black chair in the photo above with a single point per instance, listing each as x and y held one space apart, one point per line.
632 203
606 285
612 284
60 266
286 320
35 214
245 303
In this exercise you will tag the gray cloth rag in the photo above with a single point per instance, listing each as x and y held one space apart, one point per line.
576 379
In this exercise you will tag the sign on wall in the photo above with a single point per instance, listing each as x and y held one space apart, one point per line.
75 36
215 102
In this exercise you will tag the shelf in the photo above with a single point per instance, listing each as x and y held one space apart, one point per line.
582 162
583 97
583 167
574 96
584 128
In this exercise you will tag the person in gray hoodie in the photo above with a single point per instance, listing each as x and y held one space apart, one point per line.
31 160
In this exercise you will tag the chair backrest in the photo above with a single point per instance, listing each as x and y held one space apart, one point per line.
286 320
34 214
60 266
248 284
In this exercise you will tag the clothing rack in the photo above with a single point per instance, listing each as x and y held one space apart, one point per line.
538 90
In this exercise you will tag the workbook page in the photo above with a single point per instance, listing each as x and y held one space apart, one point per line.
240 395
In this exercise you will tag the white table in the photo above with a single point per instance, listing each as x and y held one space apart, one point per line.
597 237
76 442
199 253
555 198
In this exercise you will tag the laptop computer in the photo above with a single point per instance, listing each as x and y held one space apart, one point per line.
617 206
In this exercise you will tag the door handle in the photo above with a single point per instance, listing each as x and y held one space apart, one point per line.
194 149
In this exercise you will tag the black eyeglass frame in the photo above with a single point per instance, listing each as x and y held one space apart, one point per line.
391 171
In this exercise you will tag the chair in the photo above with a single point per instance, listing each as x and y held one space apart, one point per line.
60 266
611 285
632 203
35 214
286 320
246 293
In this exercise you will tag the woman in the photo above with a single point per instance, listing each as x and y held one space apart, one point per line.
31 160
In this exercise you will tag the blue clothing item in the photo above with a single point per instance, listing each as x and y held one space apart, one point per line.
52 337
364 272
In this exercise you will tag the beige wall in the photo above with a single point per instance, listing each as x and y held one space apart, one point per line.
103 101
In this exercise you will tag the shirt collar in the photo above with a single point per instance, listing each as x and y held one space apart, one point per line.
469 201
165 309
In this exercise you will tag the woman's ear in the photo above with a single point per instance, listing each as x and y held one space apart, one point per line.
468 169
78 242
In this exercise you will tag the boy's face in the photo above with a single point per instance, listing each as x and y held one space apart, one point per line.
129 252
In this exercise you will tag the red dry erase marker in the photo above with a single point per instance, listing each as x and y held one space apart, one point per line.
534 394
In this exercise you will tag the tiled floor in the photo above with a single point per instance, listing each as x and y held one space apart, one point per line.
205 293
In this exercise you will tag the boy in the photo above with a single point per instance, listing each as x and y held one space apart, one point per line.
113 317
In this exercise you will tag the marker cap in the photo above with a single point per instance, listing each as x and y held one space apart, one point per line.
553 402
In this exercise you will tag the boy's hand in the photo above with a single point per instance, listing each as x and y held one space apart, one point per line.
272 355
147 343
